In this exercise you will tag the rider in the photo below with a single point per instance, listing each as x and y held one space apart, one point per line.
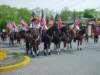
58 23
35 24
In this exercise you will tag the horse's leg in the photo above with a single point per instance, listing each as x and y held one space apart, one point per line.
94 40
37 48
34 49
12 42
87 40
28 48
67 46
3 38
97 40
18 41
58 48
78 44
64 45
54 46
71 44
45 48
49 50
27 51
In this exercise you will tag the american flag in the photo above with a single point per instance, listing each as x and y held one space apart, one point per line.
9 26
24 24
43 21
76 24
14 25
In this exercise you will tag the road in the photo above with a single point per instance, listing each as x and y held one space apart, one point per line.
70 62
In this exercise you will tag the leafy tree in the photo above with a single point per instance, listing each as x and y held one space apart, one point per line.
65 13
89 13
12 14
8 13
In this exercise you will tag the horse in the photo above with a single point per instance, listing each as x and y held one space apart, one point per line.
86 37
68 36
14 37
66 39
95 38
46 39
57 40
3 36
22 34
28 39
35 41
79 38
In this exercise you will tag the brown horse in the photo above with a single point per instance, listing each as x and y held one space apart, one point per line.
68 36
3 36
46 39
14 37
35 41
57 40
28 40
96 36
79 38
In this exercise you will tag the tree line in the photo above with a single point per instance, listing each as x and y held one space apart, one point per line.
8 14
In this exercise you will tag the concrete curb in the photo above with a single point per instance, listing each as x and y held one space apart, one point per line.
15 66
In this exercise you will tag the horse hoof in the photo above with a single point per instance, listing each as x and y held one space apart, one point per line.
49 53
45 54
33 56
58 53
80 49
37 54
77 49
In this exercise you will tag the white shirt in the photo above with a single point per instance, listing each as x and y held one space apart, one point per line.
31 25
36 26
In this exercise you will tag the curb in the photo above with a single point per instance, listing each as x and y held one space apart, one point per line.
15 66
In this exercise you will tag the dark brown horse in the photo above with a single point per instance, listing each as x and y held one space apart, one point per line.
32 40
3 36
96 36
46 39
35 41
57 40
67 38
14 37
28 40
79 38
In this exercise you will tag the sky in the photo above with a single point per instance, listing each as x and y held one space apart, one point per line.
55 5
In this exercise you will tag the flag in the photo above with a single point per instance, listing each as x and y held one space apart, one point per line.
43 21
76 24
9 26
14 25
15 28
24 24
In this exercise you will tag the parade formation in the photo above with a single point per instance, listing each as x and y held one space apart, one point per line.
41 31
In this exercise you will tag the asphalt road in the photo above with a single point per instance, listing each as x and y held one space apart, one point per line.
70 62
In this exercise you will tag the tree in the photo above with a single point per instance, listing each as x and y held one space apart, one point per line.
8 13
65 13
26 14
90 13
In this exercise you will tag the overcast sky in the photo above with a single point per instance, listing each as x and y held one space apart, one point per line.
53 4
